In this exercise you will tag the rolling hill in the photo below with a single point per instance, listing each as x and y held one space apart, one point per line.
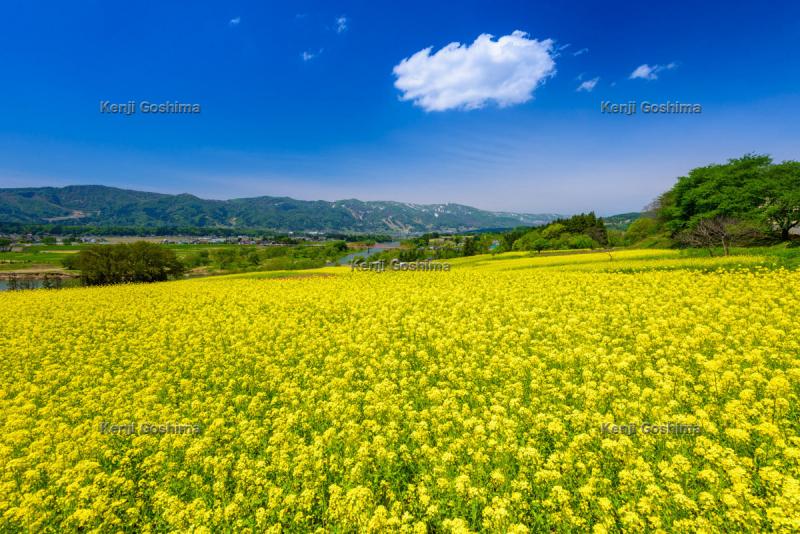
108 206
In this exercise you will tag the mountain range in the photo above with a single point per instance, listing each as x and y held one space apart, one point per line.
98 205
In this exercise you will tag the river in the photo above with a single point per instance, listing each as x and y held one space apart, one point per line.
38 283
377 247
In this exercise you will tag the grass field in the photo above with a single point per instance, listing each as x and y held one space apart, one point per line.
482 399
51 256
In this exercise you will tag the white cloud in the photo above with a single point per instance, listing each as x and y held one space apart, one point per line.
462 76
588 85
580 52
308 55
646 72
235 21
341 24
559 49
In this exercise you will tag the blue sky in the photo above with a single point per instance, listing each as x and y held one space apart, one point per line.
306 99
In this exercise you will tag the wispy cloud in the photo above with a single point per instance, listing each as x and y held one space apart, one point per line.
588 85
647 72
309 55
341 24
580 52
235 21
560 48
468 76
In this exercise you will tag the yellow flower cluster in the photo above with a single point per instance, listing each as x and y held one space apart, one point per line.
478 400
611 261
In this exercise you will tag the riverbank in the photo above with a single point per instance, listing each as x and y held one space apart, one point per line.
38 274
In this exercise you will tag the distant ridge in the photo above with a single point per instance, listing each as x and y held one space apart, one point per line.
99 205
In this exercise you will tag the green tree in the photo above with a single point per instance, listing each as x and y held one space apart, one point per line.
616 238
135 262
485 241
553 231
341 246
225 257
640 229
581 241
470 246
198 259
531 241
584 223
507 239
779 189
253 258
540 243
750 190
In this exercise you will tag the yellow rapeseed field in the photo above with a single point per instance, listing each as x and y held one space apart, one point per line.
480 399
